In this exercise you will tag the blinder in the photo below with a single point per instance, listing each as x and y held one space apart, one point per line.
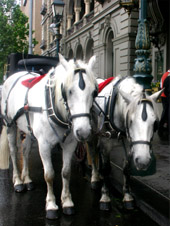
95 93
63 92
156 125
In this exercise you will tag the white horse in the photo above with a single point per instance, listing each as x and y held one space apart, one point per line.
124 107
57 109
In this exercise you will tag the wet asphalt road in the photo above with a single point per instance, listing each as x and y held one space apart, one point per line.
28 209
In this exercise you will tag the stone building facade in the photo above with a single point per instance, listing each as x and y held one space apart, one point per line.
36 19
104 29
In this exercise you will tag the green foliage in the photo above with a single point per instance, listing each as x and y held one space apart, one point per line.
14 31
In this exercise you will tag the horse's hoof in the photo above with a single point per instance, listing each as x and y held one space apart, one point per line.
52 214
129 205
95 185
19 188
30 186
106 206
69 210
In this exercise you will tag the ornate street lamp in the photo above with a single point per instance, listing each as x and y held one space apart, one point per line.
142 67
57 9
129 5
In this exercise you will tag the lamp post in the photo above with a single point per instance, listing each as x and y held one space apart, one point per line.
30 27
142 67
57 9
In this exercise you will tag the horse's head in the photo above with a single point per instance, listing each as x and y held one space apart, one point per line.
78 91
140 122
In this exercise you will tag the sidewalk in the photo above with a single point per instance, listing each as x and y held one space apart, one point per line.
152 193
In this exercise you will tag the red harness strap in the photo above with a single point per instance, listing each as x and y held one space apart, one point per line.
104 83
30 82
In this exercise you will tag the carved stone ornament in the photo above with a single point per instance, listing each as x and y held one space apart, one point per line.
100 1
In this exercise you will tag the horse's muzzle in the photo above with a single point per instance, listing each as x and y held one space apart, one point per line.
142 164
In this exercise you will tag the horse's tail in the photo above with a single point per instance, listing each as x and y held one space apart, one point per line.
4 149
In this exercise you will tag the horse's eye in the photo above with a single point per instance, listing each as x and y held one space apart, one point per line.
70 92
95 93
130 122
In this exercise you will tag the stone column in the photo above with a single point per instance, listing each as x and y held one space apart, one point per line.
77 11
69 18
87 6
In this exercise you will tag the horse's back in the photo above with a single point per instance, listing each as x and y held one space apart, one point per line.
14 92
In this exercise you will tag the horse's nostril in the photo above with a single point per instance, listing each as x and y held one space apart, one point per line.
137 160
141 164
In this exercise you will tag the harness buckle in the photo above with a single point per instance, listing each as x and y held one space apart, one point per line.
119 136
108 134
26 107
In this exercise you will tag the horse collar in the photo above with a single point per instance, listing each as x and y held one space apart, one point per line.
111 107
52 114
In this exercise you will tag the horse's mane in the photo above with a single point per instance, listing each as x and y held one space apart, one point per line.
130 86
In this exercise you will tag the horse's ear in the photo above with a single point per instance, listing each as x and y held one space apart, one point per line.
128 98
156 95
92 62
63 61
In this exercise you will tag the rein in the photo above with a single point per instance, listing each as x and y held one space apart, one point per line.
109 109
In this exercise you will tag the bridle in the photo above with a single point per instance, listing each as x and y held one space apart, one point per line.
144 117
52 112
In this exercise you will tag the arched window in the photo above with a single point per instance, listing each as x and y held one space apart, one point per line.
89 49
109 54
70 54
79 52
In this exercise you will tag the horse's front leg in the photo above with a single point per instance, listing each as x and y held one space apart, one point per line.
105 169
128 199
45 153
66 199
105 201
93 159
26 146
12 139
